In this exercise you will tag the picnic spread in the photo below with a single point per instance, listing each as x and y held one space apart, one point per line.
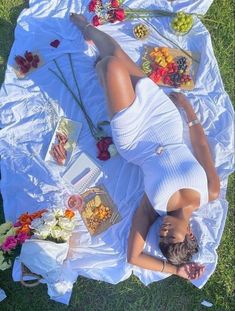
53 112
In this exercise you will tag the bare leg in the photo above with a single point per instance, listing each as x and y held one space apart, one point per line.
117 84
107 46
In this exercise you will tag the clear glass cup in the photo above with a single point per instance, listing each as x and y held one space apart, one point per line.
75 202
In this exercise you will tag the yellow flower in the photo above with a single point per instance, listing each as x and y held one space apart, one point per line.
5 227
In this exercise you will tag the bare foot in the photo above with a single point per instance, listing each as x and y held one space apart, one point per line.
81 22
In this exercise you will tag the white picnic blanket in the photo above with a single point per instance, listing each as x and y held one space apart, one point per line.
30 108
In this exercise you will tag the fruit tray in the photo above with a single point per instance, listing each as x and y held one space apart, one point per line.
98 211
170 67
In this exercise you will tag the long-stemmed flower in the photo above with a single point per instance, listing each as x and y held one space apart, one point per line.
104 144
113 11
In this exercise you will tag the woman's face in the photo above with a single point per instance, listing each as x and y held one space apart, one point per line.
174 229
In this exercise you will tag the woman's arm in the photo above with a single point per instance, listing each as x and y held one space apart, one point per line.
142 220
200 145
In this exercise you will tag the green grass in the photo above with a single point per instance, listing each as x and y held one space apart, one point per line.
172 294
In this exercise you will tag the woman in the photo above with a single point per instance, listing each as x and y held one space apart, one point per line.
147 131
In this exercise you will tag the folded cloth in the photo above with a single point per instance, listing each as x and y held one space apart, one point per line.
30 108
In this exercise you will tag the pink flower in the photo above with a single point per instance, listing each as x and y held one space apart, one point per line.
114 3
92 6
96 21
9 243
22 236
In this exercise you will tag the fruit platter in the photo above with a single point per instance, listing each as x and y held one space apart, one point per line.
98 211
170 67
25 64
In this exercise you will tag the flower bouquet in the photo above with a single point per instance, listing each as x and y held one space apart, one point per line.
113 11
12 236
47 249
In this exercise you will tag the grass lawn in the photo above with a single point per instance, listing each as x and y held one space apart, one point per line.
171 294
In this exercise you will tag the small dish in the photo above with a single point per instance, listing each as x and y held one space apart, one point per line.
141 31
181 23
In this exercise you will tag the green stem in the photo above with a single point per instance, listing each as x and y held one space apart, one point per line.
148 12
79 93
72 93
90 123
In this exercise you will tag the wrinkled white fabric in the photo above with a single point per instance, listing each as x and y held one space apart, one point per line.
29 109
44 258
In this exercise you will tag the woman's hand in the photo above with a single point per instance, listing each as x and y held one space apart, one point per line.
179 99
190 271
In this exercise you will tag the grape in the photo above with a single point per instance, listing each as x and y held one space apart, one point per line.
182 22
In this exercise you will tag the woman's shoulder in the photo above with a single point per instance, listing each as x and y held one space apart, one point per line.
184 198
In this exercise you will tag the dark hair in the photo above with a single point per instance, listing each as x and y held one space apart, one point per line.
179 253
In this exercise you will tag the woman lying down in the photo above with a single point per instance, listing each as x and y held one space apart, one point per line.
148 131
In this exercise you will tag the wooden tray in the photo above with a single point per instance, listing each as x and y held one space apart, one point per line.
94 198
191 63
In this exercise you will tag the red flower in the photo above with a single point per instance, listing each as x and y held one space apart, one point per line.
55 43
119 14
96 21
103 145
114 3
104 155
92 6
28 56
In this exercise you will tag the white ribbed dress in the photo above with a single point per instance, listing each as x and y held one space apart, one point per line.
149 133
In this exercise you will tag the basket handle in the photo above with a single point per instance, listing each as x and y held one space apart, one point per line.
26 272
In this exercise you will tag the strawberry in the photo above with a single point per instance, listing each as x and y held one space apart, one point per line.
20 60
34 64
36 58
35 61
28 56
24 68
